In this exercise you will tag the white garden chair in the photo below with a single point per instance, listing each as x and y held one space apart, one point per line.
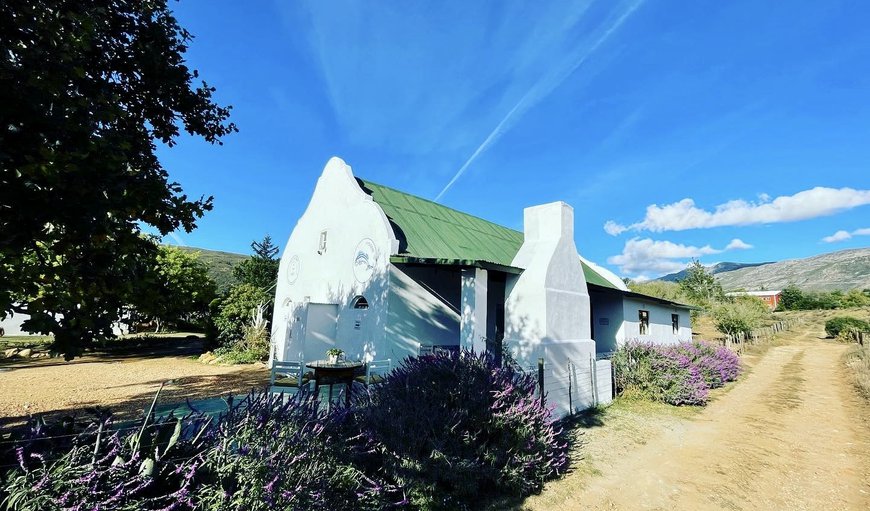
288 376
376 370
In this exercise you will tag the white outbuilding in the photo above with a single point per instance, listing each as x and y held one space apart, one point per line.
382 274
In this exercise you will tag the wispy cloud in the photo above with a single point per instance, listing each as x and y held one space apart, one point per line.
846 235
683 215
542 88
645 257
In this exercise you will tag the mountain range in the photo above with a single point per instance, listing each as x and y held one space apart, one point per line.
713 269
845 269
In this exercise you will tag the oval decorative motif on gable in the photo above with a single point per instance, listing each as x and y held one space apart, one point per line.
293 269
364 258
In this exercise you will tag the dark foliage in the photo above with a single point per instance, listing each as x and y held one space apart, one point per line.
457 429
441 432
88 88
840 324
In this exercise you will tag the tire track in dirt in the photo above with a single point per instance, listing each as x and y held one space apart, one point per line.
790 435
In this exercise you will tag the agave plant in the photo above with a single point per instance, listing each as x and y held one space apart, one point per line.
129 467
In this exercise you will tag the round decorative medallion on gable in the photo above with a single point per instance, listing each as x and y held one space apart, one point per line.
364 259
293 269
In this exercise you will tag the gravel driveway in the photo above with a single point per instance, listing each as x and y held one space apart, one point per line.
125 383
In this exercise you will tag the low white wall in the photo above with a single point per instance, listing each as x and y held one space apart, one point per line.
604 382
576 384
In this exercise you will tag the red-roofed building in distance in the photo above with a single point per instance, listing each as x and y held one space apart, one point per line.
771 298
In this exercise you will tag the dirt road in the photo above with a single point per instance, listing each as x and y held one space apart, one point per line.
791 435
125 384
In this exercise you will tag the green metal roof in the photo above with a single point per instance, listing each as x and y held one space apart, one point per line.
429 231
593 277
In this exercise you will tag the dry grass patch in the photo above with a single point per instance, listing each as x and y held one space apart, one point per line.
600 436
857 359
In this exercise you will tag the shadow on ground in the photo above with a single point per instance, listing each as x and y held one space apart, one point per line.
176 390
151 347
573 428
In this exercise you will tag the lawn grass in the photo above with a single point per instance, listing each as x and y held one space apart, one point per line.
127 342
24 341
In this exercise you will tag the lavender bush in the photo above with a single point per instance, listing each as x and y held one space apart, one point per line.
141 467
441 432
679 374
277 452
457 429
718 364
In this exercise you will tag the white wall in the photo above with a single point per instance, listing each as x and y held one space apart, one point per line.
416 316
659 322
359 242
607 318
12 325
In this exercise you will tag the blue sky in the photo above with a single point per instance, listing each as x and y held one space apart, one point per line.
726 131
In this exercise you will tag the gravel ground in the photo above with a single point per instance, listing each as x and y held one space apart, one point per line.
792 434
125 383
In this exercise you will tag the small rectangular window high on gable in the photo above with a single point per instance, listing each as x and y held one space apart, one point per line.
321 246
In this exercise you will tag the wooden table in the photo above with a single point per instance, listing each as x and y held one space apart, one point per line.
330 373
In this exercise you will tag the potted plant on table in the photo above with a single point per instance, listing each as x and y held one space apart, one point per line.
334 355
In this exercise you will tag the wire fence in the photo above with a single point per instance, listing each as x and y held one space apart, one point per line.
573 385
738 341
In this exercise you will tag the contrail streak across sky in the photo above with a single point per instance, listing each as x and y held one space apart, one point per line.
538 91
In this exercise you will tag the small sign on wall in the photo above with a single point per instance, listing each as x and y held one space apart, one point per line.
357 324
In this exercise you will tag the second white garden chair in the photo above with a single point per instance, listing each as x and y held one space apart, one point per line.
376 370
288 376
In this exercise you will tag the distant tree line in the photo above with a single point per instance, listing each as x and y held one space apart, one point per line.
735 314
793 298
242 316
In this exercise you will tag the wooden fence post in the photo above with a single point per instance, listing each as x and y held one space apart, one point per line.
570 394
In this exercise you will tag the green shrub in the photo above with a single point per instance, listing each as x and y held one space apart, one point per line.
234 312
835 326
744 314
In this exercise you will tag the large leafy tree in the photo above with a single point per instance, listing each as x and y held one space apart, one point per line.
700 285
181 288
88 88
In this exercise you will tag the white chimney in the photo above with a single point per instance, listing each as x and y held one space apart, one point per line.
547 312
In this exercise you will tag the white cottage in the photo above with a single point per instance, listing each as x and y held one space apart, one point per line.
380 274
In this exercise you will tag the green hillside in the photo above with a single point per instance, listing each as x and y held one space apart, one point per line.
220 265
